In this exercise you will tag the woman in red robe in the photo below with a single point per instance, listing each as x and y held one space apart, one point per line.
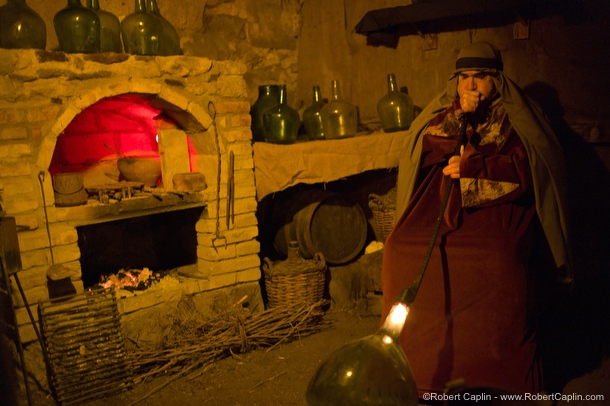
474 314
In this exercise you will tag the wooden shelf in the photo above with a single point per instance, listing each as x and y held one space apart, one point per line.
129 207
387 20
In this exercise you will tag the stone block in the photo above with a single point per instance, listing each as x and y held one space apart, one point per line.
233 108
352 282
230 266
42 113
200 113
223 280
206 226
33 240
33 259
14 150
237 134
249 275
177 97
216 254
13 133
241 120
12 167
149 298
10 116
27 221
144 86
32 277
31 295
66 253
230 236
246 220
174 153
248 248
23 317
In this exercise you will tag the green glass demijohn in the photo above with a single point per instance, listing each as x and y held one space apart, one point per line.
281 122
77 28
21 27
169 43
268 96
395 109
339 117
312 120
373 370
141 31
110 28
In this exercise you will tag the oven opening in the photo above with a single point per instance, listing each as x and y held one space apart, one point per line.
160 242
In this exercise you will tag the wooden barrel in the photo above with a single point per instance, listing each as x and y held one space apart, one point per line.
325 222
69 189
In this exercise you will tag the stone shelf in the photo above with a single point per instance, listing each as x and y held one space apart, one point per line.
278 167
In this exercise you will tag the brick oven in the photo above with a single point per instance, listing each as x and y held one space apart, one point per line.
77 114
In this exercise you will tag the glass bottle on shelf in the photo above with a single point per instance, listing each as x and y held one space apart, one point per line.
312 119
395 109
339 117
281 122
110 28
169 44
21 27
268 96
77 28
141 31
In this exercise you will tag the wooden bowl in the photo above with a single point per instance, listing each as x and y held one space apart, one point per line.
145 170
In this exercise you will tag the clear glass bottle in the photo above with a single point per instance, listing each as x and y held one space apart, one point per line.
141 31
281 122
312 119
395 109
268 96
110 28
370 371
169 43
21 27
339 117
77 28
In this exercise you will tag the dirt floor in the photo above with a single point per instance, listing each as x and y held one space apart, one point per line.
258 378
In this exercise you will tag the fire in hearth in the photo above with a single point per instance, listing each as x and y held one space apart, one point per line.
134 279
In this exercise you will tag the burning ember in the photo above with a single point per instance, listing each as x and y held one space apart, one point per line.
130 280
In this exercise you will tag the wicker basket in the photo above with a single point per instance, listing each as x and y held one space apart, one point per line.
295 280
384 210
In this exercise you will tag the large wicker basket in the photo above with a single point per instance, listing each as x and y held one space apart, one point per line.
384 211
295 280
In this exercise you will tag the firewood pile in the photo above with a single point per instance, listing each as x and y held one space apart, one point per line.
194 341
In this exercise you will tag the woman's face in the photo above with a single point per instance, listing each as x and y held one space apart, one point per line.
474 80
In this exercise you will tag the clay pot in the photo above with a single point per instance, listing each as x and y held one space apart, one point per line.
145 170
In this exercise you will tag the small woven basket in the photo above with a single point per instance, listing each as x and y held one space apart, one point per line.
295 280
384 210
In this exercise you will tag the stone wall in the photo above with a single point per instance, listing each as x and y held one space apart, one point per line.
261 34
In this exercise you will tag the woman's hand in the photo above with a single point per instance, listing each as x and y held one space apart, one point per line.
470 100
453 166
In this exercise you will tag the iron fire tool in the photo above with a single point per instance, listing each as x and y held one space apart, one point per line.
218 236
231 191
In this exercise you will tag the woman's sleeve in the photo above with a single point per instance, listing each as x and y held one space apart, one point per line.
495 178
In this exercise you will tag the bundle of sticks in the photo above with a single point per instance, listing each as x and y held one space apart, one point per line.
194 341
